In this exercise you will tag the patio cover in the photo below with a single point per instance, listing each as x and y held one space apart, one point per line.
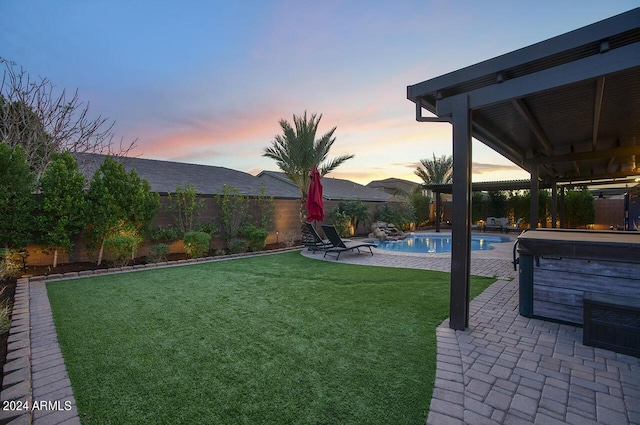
566 109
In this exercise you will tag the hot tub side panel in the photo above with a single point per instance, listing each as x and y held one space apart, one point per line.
559 285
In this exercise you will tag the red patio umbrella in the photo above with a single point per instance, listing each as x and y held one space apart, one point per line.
315 203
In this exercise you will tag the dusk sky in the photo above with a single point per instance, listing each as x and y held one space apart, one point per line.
207 81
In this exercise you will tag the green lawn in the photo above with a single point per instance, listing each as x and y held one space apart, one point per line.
277 339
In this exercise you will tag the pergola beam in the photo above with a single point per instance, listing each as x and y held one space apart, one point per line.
585 156
562 75
597 110
533 124
596 177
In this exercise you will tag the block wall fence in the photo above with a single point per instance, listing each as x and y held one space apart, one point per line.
286 228
609 212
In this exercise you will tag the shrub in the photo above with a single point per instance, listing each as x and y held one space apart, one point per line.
16 196
168 235
357 212
5 313
341 221
290 238
10 264
158 253
256 238
264 210
120 249
186 206
210 228
401 214
233 211
422 207
196 244
580 208
238 245
116 200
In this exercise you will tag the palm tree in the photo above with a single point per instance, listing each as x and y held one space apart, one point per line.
436 171
297 151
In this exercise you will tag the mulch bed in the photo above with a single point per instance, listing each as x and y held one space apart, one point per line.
8 288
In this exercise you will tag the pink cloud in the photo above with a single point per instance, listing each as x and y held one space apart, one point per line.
218 134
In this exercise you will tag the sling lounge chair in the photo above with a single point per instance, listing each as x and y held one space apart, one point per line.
339 245
312 240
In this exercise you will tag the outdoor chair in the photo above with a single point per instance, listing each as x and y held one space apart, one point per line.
515 227
339 245
496 224
312 240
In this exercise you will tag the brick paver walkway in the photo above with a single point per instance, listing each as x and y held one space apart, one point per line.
508 369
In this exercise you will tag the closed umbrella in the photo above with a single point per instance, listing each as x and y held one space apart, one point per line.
315 203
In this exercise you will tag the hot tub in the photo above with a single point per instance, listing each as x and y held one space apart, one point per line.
558 267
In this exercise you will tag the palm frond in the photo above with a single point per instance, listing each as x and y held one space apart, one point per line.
296 151
436 171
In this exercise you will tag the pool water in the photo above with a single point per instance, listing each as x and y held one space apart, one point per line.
437 243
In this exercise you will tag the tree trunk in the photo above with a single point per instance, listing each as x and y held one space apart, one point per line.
100 252
303 209
55 258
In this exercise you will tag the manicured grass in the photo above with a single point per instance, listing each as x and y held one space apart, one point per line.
277 339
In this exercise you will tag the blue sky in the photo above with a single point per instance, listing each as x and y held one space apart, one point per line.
207 81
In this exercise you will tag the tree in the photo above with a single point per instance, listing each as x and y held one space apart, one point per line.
142 205
357 211
436 171
520 206
580 208
61 206
118 204
263 210
233 211
497 203
296 151
186 207
44 121
17 185
479 208
422 205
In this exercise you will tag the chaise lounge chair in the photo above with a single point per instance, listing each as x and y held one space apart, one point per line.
496 224
312 240
515 227
339 245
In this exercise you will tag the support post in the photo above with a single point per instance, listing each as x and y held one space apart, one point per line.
554 204
563 221
535 195
438 211
461 215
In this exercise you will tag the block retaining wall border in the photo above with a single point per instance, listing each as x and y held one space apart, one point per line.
16 384
86 273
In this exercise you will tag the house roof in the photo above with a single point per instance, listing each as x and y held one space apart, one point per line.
166 176
393 184
332 189
569 105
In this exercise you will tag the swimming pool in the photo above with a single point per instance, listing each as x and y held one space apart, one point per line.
437 243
